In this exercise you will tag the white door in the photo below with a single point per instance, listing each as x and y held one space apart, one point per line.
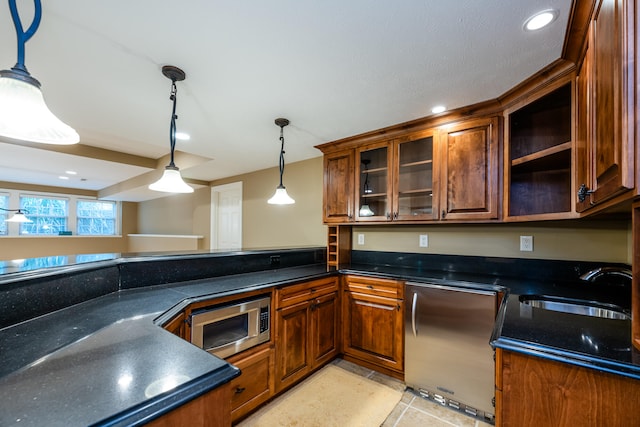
226 216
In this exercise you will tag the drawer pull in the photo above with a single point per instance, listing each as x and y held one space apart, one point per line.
240 390
369 287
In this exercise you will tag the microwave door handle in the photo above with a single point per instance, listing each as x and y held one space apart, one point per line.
413 314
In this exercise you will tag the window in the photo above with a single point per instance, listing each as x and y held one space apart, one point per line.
49 215
96 218
4 203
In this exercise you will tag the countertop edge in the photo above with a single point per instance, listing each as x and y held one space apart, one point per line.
564 356
153 408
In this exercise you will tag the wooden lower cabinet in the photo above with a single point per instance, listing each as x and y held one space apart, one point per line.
177 326
255 384
538 392
212 409
372 329
306 328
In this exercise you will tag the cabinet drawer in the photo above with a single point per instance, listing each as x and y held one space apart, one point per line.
254 385
378 287
295 294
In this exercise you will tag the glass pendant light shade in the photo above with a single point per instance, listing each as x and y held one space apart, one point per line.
171 182
23 113
19 216
281 197
25 116
365 210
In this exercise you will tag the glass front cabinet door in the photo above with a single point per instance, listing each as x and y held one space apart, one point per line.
395 180
414 178
374 183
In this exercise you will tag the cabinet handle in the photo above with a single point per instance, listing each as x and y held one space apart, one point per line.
369 287
583 192
395 215
444 213
388 215
240 390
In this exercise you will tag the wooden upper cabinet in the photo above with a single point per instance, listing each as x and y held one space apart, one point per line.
396 179
539 152
446 173
606 105
338 187
374 182
470 170
415 177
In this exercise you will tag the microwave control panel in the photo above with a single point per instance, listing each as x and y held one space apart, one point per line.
264 319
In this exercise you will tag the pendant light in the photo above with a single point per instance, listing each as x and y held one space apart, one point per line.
23 113
281 197
365 210
19 216
171 180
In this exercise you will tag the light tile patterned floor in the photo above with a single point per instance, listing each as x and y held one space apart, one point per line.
413 411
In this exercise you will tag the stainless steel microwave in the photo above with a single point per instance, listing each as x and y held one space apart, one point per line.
229 329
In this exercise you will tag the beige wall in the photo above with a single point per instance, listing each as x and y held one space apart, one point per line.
296 225
562 240
181 214
263 225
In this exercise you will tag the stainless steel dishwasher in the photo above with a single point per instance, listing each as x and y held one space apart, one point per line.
448 358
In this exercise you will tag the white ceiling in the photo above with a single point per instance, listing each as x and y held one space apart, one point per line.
334 68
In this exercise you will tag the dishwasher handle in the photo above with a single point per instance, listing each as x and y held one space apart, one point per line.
413 314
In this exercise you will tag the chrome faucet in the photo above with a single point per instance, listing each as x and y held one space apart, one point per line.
592 275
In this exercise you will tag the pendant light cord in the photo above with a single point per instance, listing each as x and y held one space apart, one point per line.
172 126
281 154
24 36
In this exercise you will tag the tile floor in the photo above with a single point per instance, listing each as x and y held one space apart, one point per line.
412 410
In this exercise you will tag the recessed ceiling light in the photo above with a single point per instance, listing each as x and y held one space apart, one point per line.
71 172
63 177
182 136
540 20
438 109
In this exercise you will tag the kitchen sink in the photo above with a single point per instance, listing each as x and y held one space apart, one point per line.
575 306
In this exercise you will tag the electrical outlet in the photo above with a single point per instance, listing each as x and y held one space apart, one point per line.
526 243
361 239
424 240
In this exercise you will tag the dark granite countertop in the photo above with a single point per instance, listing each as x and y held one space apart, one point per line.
103 361
598 343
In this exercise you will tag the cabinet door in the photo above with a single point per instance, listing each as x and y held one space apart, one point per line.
324 328
610 79
470 170
338 187
415 178
373 330
373 182
254 385
558 394
292 344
